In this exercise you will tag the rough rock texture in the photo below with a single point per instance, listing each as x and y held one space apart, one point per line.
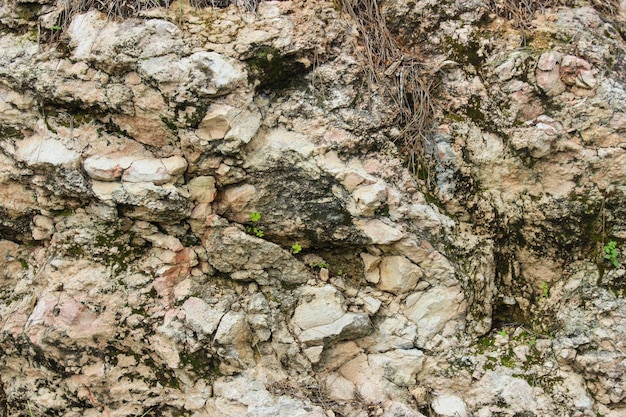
208 211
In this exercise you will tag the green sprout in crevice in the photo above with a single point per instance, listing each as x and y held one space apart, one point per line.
611 253
255 217
296 248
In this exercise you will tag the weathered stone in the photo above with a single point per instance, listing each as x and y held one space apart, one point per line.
369 197
233 251
40 150
398 275
105 168
319 307
234 334
202 189
349 326
372 271
399 366
434 310
379 232
448 405
203 318
157 171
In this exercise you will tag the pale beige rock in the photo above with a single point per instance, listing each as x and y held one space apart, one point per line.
339 388
372 272
215 124
348 326
43 227
435 308
161 240
203 318
399 366
314 353
234 335
398 275
365 379
319 307
369 197
202 189
157 171
379 232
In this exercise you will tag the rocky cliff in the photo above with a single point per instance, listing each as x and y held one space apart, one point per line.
305 208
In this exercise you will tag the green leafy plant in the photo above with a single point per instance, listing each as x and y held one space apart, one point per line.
545 291
502 332
296 248
255 217
611 253
320 265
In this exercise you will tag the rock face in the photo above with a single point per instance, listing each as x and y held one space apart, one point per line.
312 208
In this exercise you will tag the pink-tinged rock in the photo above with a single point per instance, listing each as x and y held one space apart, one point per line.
548 73
102 168
549 61
578 72
65 314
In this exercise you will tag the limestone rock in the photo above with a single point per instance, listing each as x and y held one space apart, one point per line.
233 333
202 317
349 326
448 405
399 366
319 307
434 310
252 259
398 275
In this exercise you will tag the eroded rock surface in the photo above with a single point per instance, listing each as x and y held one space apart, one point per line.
207 210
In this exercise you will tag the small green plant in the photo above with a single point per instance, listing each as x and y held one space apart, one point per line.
611 253
545 291
319 265
56 27
502 332
296 248
255 217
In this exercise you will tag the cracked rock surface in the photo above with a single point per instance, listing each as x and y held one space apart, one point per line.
207 211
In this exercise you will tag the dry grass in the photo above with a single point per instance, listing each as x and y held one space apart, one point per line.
401 77
522 12
120 8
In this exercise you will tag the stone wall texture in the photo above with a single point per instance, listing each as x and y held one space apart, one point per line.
225 210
